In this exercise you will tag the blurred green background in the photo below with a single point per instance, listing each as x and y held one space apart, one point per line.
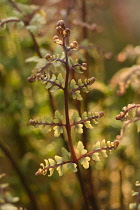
102 29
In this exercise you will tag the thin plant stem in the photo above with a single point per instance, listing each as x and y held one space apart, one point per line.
88 173
37 49
121 193
15 6
36 46
68 128
84 13
21 177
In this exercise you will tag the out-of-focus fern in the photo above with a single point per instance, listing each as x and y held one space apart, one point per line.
136 204
129 52
31 18
126 77
7 200
129 115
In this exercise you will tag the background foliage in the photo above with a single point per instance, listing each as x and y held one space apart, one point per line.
103 29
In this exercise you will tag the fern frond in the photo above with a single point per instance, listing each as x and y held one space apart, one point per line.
130 114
